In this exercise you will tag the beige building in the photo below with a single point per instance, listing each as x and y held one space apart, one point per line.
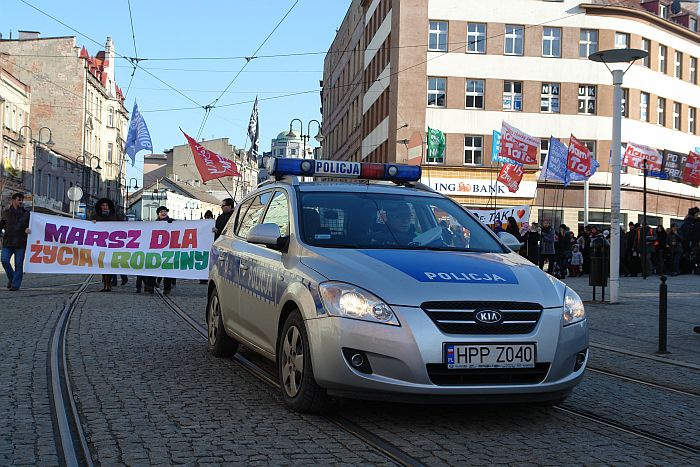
75 95
397 67
15 100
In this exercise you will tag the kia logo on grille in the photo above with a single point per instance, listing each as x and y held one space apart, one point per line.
488 316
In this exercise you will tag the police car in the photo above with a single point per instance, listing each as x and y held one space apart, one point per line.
385 289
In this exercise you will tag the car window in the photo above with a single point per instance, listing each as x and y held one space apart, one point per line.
240 214
405 221
253 215
278 212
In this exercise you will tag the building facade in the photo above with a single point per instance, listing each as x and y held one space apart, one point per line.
184 201
15 99
463 67
75 97
286 145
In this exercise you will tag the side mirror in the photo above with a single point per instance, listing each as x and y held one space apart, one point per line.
266 234
510 241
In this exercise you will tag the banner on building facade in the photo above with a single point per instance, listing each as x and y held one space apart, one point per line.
478 187
636 154
59 245
511 175
518 146
674 163
691 171
521 214
436 146
210 164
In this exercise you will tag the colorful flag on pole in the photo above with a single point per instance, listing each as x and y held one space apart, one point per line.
555 165
436 146
578 159
636 154
510 176
138 137
210 164
691 171
496 150
254 133
518 146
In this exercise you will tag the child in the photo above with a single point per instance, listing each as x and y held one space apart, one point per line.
576 262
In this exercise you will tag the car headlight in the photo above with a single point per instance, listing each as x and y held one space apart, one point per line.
573 308
349 301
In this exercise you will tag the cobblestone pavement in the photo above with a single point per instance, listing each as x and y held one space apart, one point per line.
149 392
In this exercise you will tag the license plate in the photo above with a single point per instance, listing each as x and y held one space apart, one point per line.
490 356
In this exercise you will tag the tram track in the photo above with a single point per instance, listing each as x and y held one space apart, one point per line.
376 442
71 443
630 379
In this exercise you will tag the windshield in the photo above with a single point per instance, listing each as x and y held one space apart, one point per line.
372 220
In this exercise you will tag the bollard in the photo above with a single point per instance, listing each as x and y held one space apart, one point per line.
663 295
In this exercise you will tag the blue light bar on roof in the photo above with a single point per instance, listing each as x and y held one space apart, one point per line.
346 169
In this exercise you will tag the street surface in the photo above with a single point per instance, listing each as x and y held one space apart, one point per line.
148 392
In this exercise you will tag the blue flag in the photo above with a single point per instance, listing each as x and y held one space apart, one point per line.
138 137
554 167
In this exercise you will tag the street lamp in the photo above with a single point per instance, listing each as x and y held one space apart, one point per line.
86 162
305 137
618 59
21 140
128 185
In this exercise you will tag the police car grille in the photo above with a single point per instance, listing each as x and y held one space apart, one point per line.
458 317
442 376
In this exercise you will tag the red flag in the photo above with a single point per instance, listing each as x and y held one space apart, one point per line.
210 164
578 159
691 171
518 146
510 176
635 154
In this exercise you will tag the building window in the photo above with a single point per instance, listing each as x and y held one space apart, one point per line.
662 58
644 106
590 145
110 117
473 149
436 92
693 24
588 42
678 65
625 99
551 42
437 36
663 10
475 94
693 69
476 38
676 116
586 99
513 95
549 97
544 150
48 185
692 115
514 40
661 111
622 40
292 152
646 46
110 150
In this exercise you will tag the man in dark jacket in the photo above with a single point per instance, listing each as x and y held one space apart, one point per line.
690 233
104 212
15 223
227 206
547 250
168 282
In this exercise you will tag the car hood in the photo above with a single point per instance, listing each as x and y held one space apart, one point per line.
409 278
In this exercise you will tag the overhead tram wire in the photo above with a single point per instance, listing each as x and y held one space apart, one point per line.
136 54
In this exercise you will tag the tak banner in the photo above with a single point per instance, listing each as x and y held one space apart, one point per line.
578 159
489 216
691 171
636 154
58 245
518 146
674 162
510 176
211 165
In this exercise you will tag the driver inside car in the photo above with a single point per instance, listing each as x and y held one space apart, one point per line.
399 228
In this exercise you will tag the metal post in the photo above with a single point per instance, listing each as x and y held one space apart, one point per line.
663 292
586 195
615 188
34 179
643 237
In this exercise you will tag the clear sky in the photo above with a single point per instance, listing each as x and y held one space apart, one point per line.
200 29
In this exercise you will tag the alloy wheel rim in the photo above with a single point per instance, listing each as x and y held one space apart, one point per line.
292 361
214 312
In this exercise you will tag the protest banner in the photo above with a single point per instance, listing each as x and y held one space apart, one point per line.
674 163
691 171
578 159
521 214
210 164
635 154
510 176
496 150
58 245
517 146
555 169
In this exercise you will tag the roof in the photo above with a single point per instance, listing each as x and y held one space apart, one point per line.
179 187
285 135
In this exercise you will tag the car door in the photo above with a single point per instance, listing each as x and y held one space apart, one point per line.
254 283
258 309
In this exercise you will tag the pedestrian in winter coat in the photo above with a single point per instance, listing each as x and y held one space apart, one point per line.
674 244
105 212
15 223
498 227
227 206
168 282
532 244
512 228
576 262
547 251
690 233
660 250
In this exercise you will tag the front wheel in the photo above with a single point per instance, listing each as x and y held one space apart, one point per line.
219 343
300 391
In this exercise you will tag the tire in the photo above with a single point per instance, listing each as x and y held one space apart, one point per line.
299 389
219 343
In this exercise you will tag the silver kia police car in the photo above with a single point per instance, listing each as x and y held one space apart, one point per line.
385 289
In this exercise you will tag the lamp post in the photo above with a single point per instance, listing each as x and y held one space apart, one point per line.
618 59
128 185
50 143
86 162
305 137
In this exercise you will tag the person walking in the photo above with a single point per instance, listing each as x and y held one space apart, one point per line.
104 212
532 244
208 215
15 223
674 244
498 227
163 216
227 206
690 233
547 251
512 228
660 250
576 262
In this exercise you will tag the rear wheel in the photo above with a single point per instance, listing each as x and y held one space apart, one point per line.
300 391
220 344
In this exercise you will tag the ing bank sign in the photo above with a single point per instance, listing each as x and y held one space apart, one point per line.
474 187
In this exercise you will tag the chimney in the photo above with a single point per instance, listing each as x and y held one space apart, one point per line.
28 35
109 66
